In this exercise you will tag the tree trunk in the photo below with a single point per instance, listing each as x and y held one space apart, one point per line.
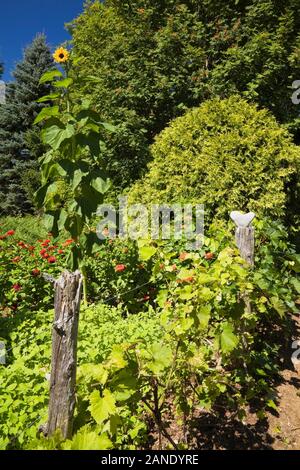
68 290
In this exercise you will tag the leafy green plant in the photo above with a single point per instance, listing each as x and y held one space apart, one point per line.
73 176
116 275
24 387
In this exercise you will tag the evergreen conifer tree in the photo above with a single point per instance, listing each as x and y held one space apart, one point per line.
18 152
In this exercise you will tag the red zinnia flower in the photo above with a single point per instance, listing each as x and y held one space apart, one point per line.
208 256
22 244
36 272
10 232
52 259
60 252
43 251
46 243
119 268
16 259
16 287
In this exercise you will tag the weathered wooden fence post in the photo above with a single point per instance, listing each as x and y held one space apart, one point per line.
244 235
245 240
68 291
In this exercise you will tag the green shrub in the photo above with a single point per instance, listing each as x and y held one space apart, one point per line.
228 155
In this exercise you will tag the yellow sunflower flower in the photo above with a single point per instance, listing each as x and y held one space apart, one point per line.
61 55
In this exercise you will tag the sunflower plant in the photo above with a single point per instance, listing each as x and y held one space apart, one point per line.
74 180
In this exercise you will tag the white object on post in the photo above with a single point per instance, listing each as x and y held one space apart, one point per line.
244 234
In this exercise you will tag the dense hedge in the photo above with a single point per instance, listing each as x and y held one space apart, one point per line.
228 155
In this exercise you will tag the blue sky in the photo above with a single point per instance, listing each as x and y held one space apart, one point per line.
21 20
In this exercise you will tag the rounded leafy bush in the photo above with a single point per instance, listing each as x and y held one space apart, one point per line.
228 155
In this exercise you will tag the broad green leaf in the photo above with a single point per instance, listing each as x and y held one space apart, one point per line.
46 113
51 169
41 194
229 340
95 372
55 135
51 97
48 222
108 127
278 305
146 252
161 357
124 385
62 219
204 315
63 83
3 443
204 278
49 76
296 283
116 358
102 407
77 178
88 440
100 185
187 293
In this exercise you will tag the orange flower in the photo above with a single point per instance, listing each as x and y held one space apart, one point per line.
68 242
119 268
183 256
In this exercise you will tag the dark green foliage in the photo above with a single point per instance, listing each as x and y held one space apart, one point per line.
19 148
146 62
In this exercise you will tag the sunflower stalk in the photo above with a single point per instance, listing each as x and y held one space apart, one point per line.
74 181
